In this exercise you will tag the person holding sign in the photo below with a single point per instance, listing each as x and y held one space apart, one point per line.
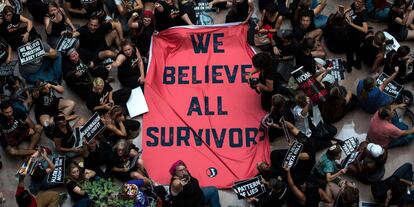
275 195
326 170
117 126
185 190
56 23
17 127
124 10
142 28
64 140
386 130
371 97
10 29
399 61
123 162
130 66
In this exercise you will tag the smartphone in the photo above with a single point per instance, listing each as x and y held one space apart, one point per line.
341 9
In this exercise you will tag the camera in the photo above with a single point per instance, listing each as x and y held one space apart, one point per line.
253 83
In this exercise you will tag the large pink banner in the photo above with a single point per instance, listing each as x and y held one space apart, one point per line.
201 108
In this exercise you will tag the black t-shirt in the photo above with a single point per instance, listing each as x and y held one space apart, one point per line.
391 64
307 61
368 51
46 100
70 186
66 138
300 32
94 41
288 49
8 28
125 70
394 28
69 69
168 18
96 158
4 51
15 128
96 99
357 18
143 40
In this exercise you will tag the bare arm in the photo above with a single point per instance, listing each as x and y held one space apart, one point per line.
57 88
388 80
251 10
117 26
318 9
28 22
295 190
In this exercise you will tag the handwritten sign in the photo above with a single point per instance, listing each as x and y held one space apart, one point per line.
7 69
292 155
393 89
349 145
92 127
58 174
249 188
30 52
65 43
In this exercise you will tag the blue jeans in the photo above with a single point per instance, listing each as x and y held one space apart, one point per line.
403 140
376 13
211 196
35 187
51 70
85 202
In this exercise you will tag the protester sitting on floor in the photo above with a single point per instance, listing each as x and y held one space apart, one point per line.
95 156
20 97
76 8
345 194
396 189
125 8
121 163
17 127
48 105
62 133
240 11
38 179
11 31
44 198
185 190
304 123
5 52
372 51
142 27
168 15
305 56
386 130
96 38
313 10
76 177
401 60
47 68
133 190
117 126
102 98
305 29
270 21
326 170
356 17
339 102
400 20
306 159
271 121
335 33
79 74
269 82
370 96
56 24
275 195
130 66
369 165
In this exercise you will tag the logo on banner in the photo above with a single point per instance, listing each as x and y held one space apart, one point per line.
211 172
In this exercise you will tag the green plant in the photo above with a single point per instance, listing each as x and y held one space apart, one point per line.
104 193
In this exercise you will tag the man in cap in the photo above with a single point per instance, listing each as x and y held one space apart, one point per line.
185 189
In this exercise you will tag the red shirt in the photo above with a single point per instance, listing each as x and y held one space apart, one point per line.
20 190
381 131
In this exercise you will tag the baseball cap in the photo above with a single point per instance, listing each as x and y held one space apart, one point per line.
375 149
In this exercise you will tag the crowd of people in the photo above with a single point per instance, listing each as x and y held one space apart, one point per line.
117 35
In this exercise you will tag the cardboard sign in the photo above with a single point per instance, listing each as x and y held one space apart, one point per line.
312 88
393 89
7 69
338 70
349 159
390 47
292 155
136 103
203 7
65 43
30 52
92 128
349 145
58 174
289 139
249 188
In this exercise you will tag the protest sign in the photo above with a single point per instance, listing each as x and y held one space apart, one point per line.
292 155
349 159
58 174
393 89
338 70
312 88
65 43
349 145
92 127
27 167
77 138
30 52
87 1
136 103
249 188
7 69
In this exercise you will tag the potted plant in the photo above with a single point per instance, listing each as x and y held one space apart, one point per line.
104 193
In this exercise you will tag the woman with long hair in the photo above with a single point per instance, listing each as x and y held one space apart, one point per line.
270 21
338 103
56 22
75 178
